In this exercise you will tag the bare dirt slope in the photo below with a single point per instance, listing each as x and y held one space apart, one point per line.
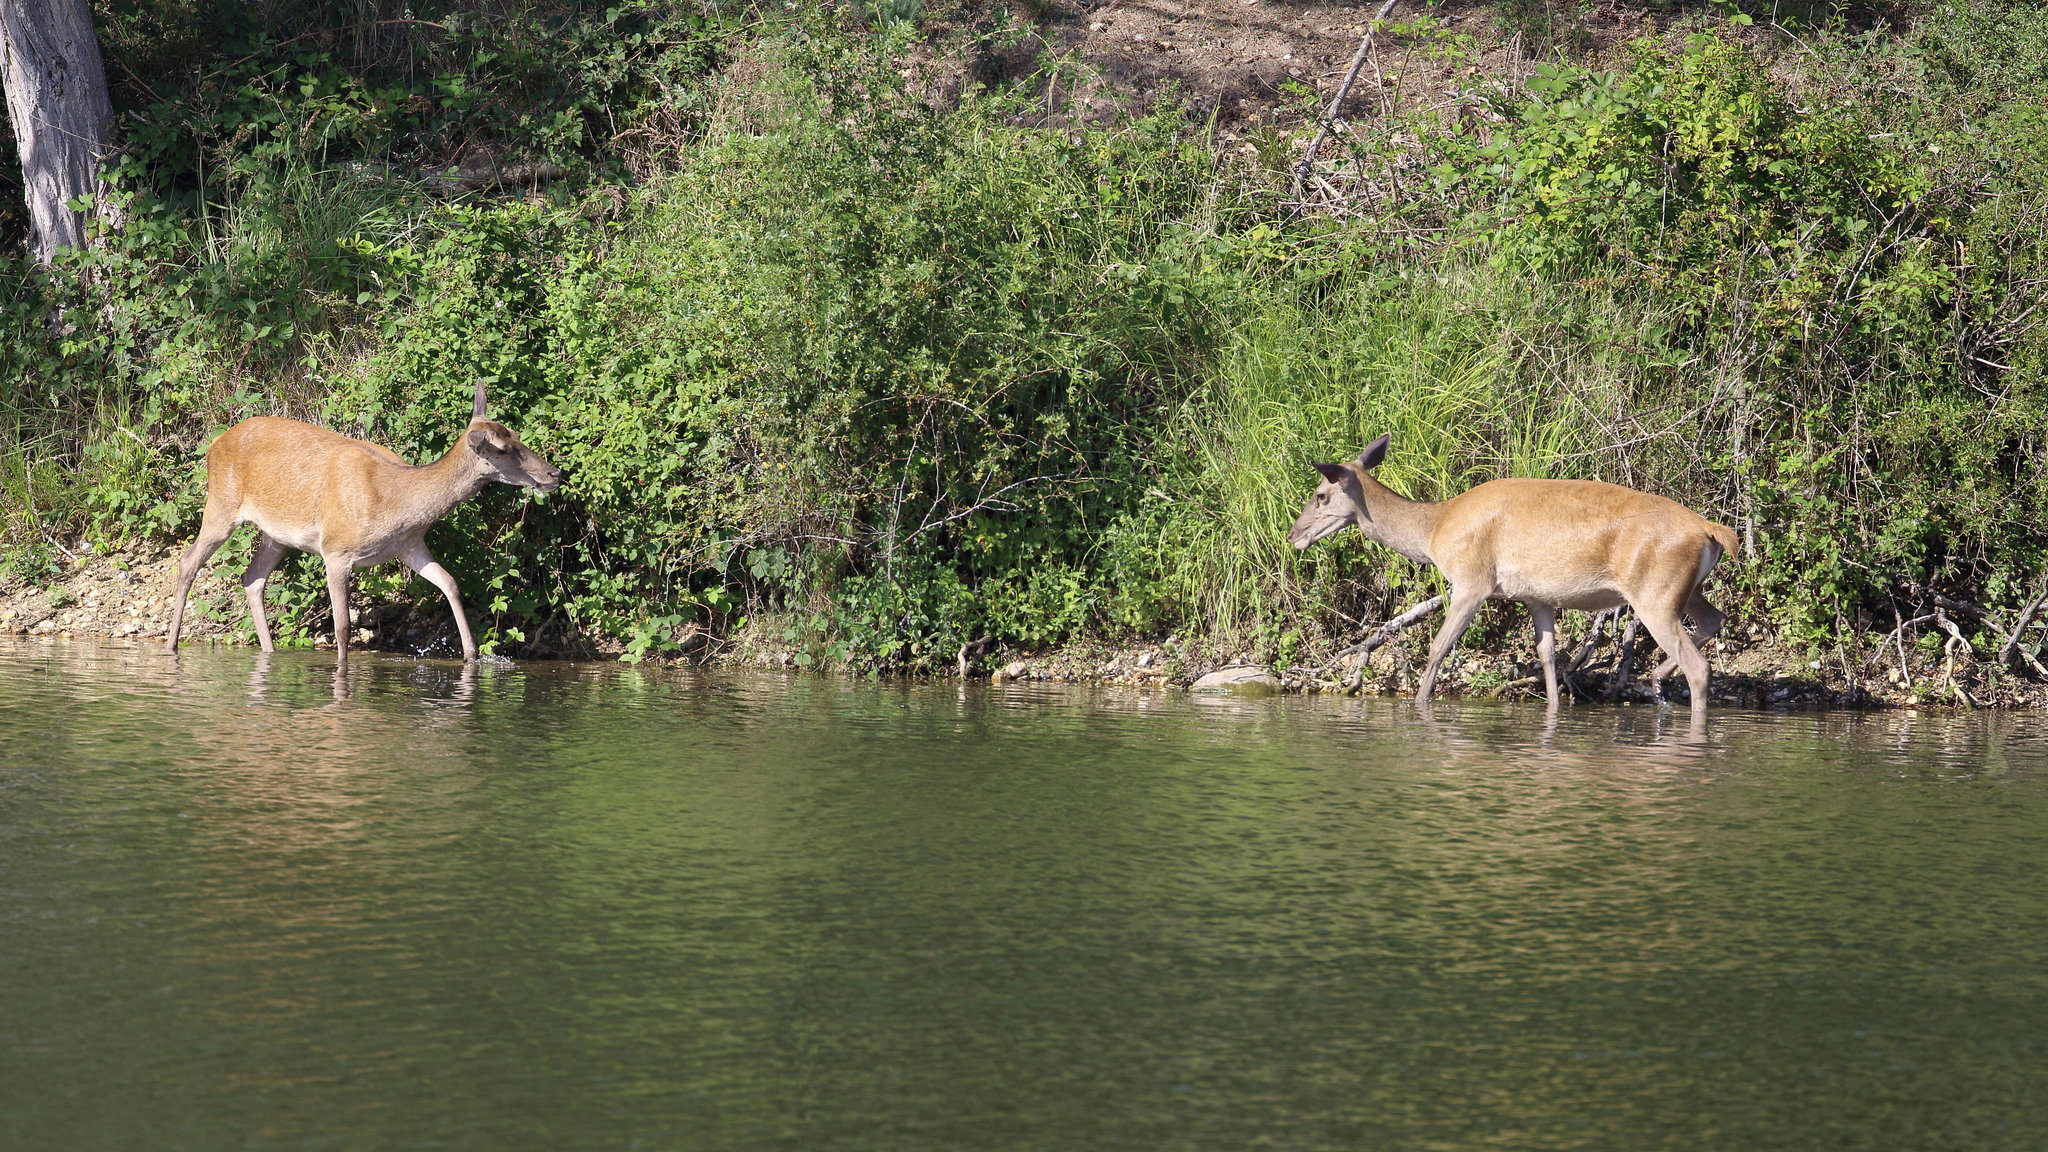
1265 61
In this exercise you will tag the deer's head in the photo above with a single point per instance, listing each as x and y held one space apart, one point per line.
1339 501
502 457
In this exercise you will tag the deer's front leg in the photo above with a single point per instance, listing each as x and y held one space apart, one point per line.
421 561
214 529
1464 605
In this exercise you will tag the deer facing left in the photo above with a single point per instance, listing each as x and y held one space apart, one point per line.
1549 543
354 503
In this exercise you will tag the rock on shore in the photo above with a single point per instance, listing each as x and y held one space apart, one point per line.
1240 681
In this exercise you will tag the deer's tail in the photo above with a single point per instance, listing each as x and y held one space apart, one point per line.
1725 537
1720 542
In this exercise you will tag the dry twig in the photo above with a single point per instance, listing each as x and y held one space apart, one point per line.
2026 617
1337 102
1948 666
1898 636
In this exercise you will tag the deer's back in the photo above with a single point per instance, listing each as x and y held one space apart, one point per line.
285 475
1574 543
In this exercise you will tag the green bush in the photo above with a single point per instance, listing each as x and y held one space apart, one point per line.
870 335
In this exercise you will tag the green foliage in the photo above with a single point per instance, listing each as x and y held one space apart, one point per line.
1693 171
34 562
895 377
826 351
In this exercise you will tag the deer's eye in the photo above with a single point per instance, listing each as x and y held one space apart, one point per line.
1322 497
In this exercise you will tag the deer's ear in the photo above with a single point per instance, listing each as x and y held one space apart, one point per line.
1334 473
476 439
477 413
1374 453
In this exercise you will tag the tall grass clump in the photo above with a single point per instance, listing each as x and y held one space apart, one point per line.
1443 364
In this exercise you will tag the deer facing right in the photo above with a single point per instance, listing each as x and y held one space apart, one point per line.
355 503
1549 543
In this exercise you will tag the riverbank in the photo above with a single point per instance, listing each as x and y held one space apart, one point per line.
892 346
126 594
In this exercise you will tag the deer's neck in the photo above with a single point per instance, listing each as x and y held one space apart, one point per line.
1400 523
438 487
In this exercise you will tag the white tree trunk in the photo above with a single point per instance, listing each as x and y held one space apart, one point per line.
63 119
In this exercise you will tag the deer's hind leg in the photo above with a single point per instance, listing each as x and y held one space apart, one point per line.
1661 617
255 578
1709 620
338 570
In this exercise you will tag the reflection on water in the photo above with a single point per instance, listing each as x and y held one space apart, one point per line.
252 902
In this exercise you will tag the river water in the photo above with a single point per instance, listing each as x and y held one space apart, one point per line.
247 904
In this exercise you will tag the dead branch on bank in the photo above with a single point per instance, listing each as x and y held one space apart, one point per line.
2011 643
1379 637
971 648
